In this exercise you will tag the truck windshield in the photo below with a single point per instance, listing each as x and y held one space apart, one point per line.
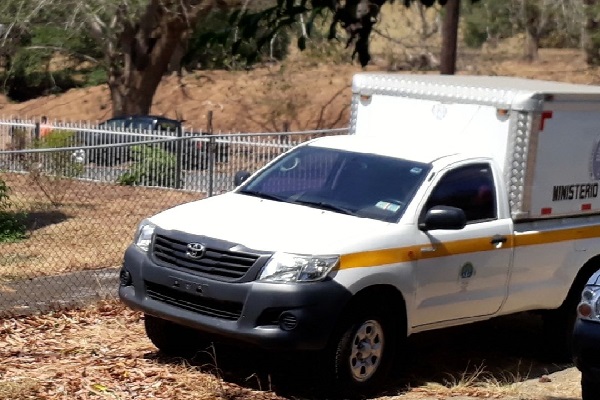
363 185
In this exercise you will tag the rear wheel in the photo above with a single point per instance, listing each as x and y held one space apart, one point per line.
173 339
558 331
559 323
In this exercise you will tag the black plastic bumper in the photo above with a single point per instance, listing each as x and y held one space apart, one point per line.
265 315
586 348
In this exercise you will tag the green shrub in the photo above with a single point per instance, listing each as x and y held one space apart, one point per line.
53 172
60 164
486 20
152 166
211 44
4 199
12 223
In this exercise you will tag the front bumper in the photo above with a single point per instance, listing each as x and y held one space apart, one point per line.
586 348
265 315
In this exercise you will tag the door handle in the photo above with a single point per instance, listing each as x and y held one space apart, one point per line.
498 239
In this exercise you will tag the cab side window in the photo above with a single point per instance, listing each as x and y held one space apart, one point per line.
470 188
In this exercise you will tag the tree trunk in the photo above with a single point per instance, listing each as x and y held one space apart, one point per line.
449 37
147 55
143 50
532 45
591 43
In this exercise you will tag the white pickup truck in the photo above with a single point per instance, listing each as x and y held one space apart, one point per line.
454 199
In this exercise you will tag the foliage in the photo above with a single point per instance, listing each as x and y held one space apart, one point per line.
318 46
4 197
487 21
212 40
12 226
53 171
355 17
32 73
152 167
12 223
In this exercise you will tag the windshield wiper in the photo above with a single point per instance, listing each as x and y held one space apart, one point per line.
262 195
324 206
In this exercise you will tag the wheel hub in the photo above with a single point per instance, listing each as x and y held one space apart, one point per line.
367 348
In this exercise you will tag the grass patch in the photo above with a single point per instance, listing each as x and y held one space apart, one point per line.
90 228
477 382
19 388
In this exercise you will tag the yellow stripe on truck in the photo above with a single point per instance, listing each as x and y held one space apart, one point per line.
376 257
427 251
412 253
535 237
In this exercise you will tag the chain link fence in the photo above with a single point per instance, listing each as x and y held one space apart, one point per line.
68 209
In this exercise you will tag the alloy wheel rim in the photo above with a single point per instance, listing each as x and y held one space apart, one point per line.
366 350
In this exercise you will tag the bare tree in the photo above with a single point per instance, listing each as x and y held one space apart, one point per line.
539 18
139 43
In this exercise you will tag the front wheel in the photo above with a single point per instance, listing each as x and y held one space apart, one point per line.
173 339
363 352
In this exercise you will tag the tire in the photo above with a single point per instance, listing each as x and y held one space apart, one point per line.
173 339
362 352
590 389
559 323
558 331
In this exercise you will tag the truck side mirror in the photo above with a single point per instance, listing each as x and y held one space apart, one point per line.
240 177
443 217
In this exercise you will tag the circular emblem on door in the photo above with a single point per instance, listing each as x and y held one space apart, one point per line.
467 271
195 250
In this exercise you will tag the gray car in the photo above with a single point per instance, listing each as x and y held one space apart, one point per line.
117 134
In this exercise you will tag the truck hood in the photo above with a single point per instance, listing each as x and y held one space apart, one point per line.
268 225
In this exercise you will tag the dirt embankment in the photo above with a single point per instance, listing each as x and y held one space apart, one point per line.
300 93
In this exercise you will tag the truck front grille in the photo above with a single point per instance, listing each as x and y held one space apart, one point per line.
228 310
224 264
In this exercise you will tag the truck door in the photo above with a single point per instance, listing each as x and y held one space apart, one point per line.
463 273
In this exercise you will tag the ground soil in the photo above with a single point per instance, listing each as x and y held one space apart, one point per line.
103 352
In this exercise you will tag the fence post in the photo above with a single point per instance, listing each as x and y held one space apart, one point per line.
179 178
285 139
210 155
36 131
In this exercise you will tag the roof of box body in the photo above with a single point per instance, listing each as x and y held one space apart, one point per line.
499 91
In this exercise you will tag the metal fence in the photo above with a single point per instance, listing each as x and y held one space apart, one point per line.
72 206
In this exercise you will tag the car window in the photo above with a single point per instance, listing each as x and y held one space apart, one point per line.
365 185
165 125
114 124
142 124
470 188
298 172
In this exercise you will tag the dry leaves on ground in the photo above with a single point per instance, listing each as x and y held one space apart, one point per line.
98 352
102 352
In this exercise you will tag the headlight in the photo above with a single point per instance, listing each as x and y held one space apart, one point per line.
143 236
286 268
589 307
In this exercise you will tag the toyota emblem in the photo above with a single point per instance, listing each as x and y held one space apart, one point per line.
195 250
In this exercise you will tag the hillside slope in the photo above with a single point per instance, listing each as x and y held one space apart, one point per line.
306 95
